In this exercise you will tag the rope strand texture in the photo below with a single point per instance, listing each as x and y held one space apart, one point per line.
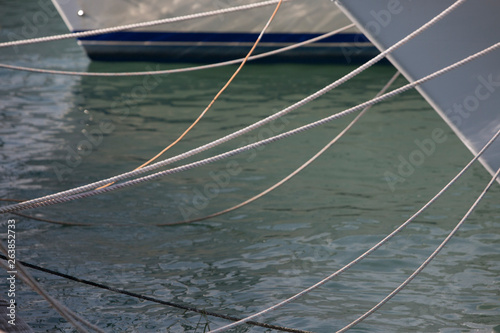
181 70
60 198
88 33
49 198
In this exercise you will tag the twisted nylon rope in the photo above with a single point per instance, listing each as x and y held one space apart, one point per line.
257 144
296 171
152 299
343 269
365 254
425 263
181 70
48 198
88 33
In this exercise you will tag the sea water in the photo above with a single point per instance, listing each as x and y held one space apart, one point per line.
59 132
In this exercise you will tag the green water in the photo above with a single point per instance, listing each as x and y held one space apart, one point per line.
58 132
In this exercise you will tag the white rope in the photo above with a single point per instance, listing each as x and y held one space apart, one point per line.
139 25
49 198
296 171
180 70
364 255
61 198
425 263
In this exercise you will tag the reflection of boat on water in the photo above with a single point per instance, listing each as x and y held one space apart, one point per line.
219 37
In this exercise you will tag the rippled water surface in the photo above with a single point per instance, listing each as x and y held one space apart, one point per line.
58 132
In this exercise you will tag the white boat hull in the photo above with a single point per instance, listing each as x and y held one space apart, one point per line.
220 37
468 98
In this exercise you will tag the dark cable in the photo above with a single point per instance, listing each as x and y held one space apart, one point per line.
155 300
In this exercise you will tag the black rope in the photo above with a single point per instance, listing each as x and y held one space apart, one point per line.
155 300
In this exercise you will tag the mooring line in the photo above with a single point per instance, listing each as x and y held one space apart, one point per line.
426 262
185 167
294 173
88 33
338 272
389 83
179 70
42 219
252 49
11 200
245 202
368 252
50 198
152 299
63 310
74 224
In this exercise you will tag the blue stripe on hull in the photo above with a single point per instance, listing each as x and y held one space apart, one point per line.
213 47
226 37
